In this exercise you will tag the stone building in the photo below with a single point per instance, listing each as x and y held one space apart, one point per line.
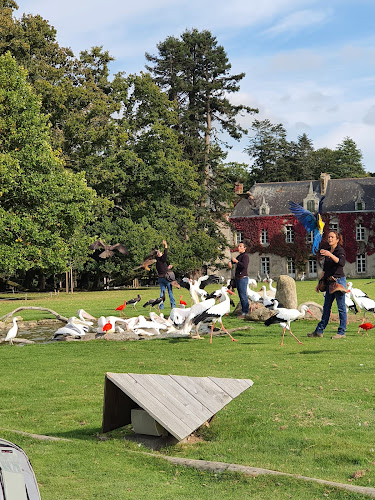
278 243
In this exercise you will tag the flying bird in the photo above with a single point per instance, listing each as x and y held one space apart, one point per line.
108 249
148 260
312 223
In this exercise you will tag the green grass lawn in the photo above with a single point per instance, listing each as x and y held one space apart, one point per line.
310 411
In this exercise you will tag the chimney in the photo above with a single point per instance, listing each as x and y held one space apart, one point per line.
324 178
238 188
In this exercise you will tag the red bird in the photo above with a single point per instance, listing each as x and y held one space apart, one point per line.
182 302
106 328
365 327
121 308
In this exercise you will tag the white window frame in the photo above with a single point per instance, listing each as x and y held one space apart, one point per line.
264 237
265 265
360 232
289 234
291 267
312 267
239 237
360 263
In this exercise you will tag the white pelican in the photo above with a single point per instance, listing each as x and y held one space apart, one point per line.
74 328
12 332
285 316
84 316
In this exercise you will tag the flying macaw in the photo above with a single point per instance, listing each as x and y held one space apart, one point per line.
310 221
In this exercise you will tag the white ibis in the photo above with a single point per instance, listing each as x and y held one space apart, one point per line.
74 328
134 301
12 332
216 312
285 316
362 300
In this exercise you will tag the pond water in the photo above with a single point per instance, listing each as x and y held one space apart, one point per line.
38 334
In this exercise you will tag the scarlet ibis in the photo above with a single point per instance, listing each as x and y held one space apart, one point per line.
365 327
216 312
12 332
134 301
121 307
107 328
285 316
310 221
182 302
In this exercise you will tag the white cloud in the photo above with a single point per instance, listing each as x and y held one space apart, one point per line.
299 21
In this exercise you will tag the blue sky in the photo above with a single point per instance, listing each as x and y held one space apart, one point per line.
309 64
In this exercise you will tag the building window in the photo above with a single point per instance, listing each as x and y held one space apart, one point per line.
310 237
289 238
263 211
264 237
360 232
239 237
359 205
265 265
310 205
333 226
312 267
361 263
291 267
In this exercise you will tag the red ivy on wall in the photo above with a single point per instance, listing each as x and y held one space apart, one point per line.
300 250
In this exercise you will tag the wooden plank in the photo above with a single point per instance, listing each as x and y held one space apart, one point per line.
161 393
152 405
184 397
234 387
205 391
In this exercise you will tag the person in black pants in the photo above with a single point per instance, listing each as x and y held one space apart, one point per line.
240 275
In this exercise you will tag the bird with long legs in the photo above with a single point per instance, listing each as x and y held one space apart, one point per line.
216 312
365 327
362 300
12 332
285 316
121 308
155 302
134 301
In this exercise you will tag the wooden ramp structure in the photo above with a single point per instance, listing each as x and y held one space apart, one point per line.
179 404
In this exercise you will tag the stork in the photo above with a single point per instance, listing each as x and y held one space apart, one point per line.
216 312
362 300
285 316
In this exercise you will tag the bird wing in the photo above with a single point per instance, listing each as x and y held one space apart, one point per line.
107 253
120 248
304 216
97 244
203 281
316 241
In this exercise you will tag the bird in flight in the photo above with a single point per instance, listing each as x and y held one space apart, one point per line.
312 223
108 250
148 260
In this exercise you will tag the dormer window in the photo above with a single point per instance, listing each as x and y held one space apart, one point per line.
310 205
311 201
359 204
264 208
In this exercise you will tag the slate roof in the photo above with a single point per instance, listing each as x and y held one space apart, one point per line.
340 196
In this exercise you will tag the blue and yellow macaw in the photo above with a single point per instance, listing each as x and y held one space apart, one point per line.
310 221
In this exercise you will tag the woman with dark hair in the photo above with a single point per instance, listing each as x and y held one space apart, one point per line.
333 270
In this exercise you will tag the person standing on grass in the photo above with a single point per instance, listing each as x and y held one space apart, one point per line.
334 261
162 269
241 277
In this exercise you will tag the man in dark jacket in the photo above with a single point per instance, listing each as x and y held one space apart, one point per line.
162 268
240 275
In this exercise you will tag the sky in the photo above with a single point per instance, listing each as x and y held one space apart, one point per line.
309 64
